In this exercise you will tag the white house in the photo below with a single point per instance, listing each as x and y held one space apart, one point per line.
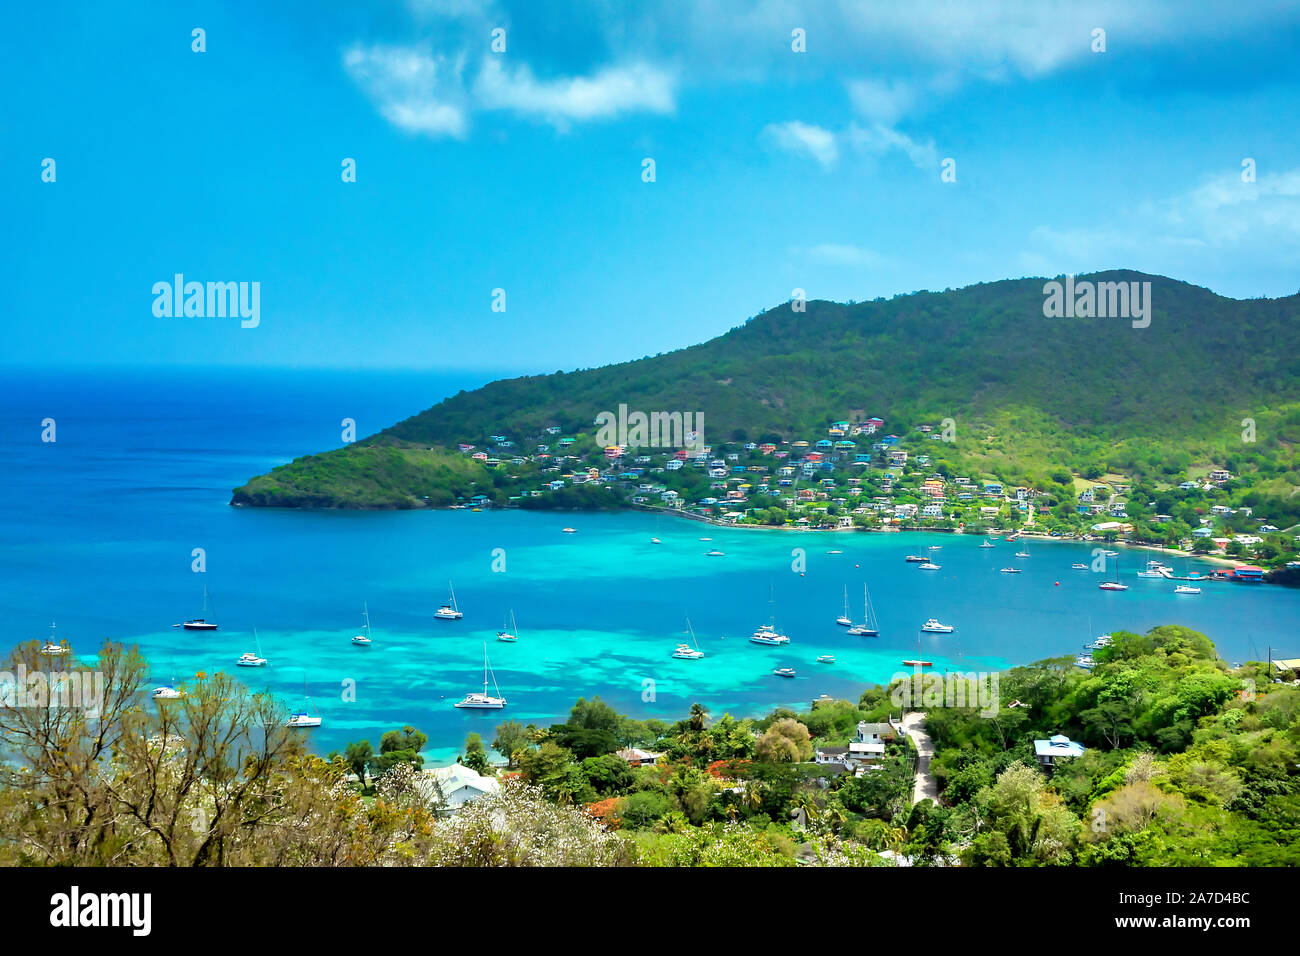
458 783
1058 747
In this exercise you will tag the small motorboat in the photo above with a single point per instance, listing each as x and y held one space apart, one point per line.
928 566
714 553
784 672
568 530
1079 567
1011 570
1186 589
914 559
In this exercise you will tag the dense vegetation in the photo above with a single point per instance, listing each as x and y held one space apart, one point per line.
1188 762
1028 394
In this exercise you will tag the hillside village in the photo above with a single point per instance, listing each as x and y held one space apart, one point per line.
860 475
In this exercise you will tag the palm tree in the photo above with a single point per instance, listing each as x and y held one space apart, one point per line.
835 816
699 717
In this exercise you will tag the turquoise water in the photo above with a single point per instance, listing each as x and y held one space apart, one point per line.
98 530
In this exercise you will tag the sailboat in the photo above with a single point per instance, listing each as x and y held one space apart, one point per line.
303 718
248 659
484 701
1113 585
167 691
201 623
363 640
449 612
1023 552
53 648
988 544
918 662
767 633
844 619
868 627
509 632
685 651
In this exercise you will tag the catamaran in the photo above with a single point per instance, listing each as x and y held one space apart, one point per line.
201 623
844 620
363 640
53 648
826 659
932 626
484 701
249 659
684 651
303 718
509 633
868 627
784 672
767 633
449 612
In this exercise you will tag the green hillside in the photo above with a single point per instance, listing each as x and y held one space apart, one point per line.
1027 394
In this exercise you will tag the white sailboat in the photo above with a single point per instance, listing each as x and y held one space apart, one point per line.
767 633
167 691
53 648
844 620
484 701
201 623
684 651
449 612
248 659
868 627
510 631
363 640
304 718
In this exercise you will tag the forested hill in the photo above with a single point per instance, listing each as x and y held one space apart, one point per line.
984 356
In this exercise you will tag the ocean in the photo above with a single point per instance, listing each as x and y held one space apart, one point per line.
99 527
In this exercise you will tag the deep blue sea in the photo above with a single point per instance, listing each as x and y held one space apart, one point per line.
97 530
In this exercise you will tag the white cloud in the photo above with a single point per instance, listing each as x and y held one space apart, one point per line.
637 87
1170 235
426 93
882 101
804 139
879 139
838 254
413 90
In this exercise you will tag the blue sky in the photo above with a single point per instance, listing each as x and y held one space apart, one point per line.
522 170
